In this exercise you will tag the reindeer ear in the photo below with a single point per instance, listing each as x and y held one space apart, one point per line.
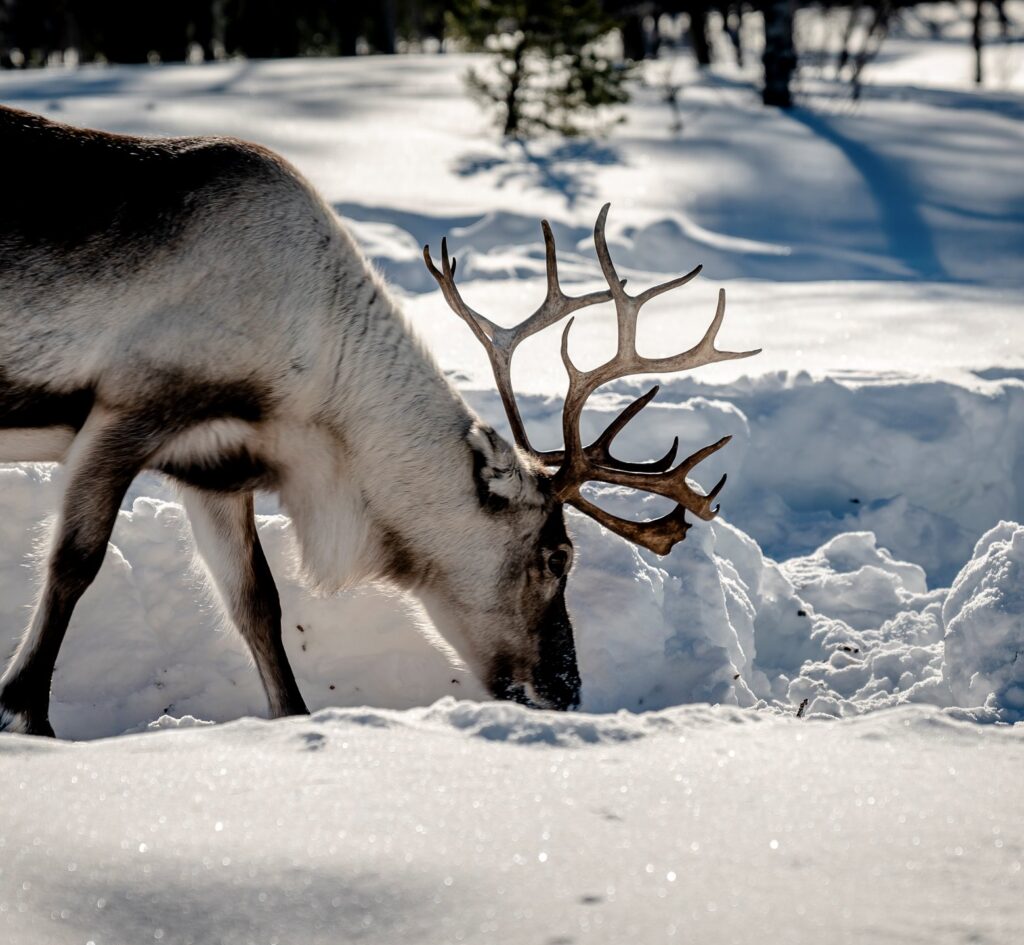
500 478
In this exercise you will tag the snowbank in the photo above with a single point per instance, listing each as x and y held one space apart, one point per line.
925 465
848 628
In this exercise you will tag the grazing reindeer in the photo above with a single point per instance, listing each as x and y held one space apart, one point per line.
191 306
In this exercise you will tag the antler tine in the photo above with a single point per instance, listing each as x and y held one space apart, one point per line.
604 258
556 304
656 290
704 352
707 344
599 451
550 261
659 536
671 484
483 327
694 458
491 336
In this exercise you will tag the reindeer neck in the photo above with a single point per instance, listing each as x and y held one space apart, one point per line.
397 431
389 397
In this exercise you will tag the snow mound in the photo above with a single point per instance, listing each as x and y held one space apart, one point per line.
984 618
856 581
493 722
169 721
510 723
927 466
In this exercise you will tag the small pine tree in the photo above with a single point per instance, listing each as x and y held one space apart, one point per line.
553 65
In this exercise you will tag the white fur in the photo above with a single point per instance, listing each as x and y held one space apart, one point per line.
205 442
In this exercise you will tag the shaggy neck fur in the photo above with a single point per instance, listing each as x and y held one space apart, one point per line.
393 467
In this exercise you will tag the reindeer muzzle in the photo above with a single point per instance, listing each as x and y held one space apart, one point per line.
556 677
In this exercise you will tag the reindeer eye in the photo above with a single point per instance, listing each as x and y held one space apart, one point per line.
558 562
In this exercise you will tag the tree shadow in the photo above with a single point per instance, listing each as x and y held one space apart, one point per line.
908 236
564 168
1004 104
183 901
48 84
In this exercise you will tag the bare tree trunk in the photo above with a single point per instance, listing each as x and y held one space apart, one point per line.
384 29
515 81
732 17
699 33
634 42
346 28
844 52
976 42
779 53
872 44
654 40
1004 20
6 42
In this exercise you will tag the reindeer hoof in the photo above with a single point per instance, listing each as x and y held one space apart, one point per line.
20 723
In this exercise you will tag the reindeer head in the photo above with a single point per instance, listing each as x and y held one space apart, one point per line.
532 657
495 588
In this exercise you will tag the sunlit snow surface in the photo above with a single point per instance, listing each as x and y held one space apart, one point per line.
491 823
866 556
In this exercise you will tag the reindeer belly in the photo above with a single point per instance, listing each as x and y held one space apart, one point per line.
37 424
35 445
220 456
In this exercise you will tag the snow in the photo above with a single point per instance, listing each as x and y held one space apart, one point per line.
984 618
866 570
470 822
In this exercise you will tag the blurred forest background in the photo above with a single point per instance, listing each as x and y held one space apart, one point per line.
593 42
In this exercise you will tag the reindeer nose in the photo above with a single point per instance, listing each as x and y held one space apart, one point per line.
560 699
556 677
560 690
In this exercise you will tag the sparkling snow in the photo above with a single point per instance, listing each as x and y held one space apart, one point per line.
867 558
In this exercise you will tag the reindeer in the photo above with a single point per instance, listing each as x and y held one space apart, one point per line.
192 306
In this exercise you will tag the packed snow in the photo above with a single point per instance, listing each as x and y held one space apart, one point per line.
868 555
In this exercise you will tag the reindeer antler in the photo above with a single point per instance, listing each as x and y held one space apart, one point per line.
500 343
578 464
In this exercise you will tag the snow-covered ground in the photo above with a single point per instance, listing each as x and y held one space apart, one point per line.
866 556
490 823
